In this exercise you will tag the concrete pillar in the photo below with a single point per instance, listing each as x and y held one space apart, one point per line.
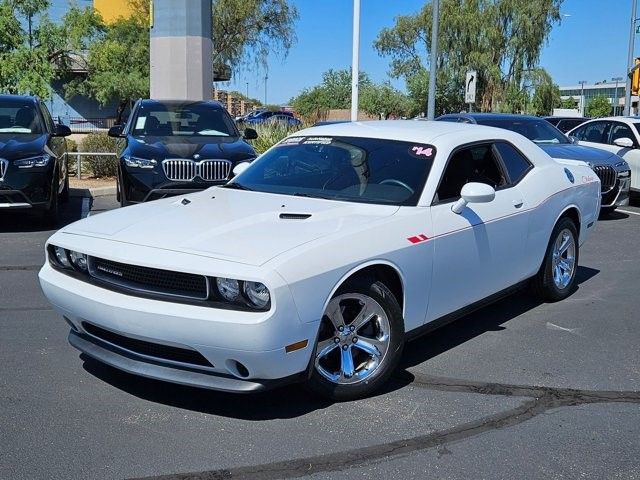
181 50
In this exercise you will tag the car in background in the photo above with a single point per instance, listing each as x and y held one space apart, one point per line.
33 157
265 117
613 171
617 135
323 257
284 120
172 147
564 124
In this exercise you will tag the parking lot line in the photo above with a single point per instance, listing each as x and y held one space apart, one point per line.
86 207
629 212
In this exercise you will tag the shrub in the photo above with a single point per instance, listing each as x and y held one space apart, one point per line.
269 135
99 166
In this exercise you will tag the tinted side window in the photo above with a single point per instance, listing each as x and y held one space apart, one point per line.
620 130
515 163
47 118
595 132
566 125
471 164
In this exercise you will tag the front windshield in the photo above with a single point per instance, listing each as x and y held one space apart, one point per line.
367 170
194 119
538 131
19 117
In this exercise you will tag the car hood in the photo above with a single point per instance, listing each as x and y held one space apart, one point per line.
21 146
232 225
161 148
580 152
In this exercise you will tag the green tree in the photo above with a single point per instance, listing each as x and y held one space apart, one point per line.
31 59
598 107
500 39
546 94
568 103
333 93
384 100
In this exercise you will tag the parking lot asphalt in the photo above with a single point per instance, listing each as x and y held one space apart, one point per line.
519 389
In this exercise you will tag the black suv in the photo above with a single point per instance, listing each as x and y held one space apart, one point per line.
172 147
33 157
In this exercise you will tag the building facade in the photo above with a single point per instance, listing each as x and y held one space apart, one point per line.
614 92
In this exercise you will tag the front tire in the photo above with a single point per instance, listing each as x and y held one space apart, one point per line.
556 279
360 341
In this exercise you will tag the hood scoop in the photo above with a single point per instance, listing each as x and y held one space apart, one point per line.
294 216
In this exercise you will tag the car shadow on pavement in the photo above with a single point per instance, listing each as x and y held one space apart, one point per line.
25 221
615 215
293 400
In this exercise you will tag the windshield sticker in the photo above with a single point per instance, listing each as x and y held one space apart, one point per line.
291 141
318 140
421 151
140 122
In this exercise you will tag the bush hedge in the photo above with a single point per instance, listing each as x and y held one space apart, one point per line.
99 166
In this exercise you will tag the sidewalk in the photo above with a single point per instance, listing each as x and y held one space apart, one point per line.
92 187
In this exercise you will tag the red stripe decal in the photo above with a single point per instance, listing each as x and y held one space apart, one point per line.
418 238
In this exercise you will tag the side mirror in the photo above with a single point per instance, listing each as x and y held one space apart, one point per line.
116 131
573 139
239 168
250 134
62 131
473 192
623 142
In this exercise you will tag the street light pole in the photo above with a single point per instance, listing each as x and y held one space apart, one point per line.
355 60
632 37
247 90
431 101
581 83
617 102
266 77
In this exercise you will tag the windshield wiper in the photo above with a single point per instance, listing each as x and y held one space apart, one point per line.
236 186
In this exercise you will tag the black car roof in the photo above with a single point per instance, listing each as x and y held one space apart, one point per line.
176 102
29 98
494 116
554 117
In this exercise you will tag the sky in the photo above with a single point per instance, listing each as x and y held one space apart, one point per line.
591 43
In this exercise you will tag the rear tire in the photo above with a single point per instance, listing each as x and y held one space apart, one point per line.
556 279
360 341
50 215
64 196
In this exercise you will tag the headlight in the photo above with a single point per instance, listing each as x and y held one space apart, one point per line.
39 161
624 174
249 294
136 162
229 288
64 259
79 260
622 164
257 293
60 255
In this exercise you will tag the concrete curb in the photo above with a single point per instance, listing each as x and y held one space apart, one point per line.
92 192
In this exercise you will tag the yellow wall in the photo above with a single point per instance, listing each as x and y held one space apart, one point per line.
110 10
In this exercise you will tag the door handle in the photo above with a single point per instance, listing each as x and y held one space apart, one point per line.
518 203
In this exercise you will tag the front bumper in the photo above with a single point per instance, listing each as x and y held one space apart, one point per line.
149 185
26 188
225 338
619 195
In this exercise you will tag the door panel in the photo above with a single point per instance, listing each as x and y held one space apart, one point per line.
479 252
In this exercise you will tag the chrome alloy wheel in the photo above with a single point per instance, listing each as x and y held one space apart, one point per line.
564 259
354 339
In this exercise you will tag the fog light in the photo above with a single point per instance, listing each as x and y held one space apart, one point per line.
79 260
61 256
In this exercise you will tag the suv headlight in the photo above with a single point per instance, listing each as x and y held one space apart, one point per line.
251 294
136 162
39 161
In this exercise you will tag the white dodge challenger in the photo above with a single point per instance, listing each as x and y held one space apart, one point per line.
320 259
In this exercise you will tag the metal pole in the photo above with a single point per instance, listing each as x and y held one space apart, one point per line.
582 102
355 60
247 90
632 35
616 103
431 101
266 77
79 164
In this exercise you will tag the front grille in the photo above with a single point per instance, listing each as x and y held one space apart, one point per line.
3 167
164 352
150 280
608 176
187 170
